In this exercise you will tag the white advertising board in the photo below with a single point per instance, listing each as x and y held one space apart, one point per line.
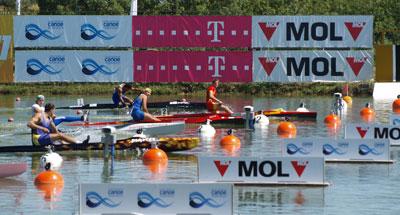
73 66
155 199
73 31
312 66
338 149
312 31
373 131
394 119
270 170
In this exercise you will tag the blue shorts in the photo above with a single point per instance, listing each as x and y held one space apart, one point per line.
137 115
45 140
115 100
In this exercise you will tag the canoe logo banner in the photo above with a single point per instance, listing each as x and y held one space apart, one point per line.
34 32
198 200
329 149
305 149
91 67
378 149
145 200
94 200
89 32
35 67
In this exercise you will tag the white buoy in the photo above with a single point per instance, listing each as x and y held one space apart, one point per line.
302 108
207 129
261 120
51 158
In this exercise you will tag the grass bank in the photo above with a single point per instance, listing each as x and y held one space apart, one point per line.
261 89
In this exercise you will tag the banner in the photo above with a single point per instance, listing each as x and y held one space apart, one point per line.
373 131
394 119
191 31
73 66
192 66
273 170
73 31
312 66
155 199
312 31
338 149
6 49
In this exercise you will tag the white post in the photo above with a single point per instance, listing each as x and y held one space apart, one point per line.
134 7
18 4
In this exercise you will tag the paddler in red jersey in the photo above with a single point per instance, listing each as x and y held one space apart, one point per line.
214 104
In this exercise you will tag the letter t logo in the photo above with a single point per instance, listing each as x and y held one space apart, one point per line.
215 25
216 64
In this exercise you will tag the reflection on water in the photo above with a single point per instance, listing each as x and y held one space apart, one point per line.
354 189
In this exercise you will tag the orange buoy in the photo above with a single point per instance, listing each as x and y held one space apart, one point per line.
231 149
18 99
229 139
154 155
49 177
287 136
332 119
285 128
50 192
348 99
157 167
367 110
396 105
10 119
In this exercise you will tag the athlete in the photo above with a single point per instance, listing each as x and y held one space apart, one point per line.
214 104
119 97
38 108
139 108
44 131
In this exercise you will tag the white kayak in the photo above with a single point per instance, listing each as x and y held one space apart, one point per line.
12 169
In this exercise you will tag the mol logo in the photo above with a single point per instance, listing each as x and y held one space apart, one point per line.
317 31
354 28
222 166
318 66
356 64
268 63
219 62
213 28
5 42
269 168
362 131
387 133
268 28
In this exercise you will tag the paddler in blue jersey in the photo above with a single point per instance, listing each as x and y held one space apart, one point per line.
44 132
119 97
139 108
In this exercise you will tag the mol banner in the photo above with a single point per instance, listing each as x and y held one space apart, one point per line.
192 66
72 31
191 31
373 131
312 66
155 199
273 170
6 49
312 31
338 149
73 66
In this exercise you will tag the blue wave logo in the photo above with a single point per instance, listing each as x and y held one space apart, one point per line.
365 150
89 32
90 67
396 122
145 200
197 200
328 149
293 149
94 200
34 67
34 32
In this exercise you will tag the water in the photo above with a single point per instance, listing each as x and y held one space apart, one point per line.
354 189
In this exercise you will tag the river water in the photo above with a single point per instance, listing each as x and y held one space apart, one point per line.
354 188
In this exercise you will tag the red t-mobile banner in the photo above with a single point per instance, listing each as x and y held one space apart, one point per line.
191 31
192 66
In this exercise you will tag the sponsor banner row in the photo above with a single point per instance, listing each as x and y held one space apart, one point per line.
374 131
155 199
194 31
193 66
271 170
338 149
73 66
6 49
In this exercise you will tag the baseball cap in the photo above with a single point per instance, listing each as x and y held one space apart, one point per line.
39 97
